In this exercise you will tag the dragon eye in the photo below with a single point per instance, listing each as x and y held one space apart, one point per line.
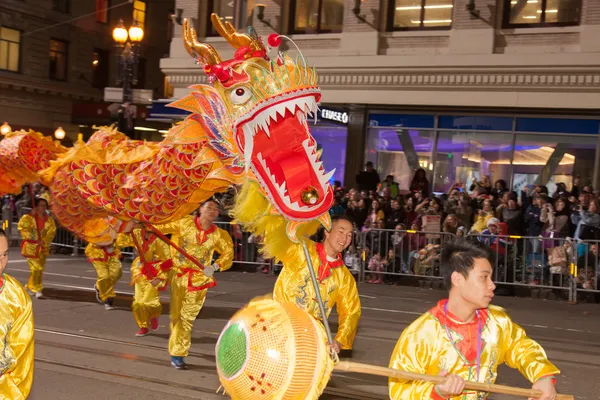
240 95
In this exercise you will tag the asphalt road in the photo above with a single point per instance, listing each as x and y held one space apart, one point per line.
83 351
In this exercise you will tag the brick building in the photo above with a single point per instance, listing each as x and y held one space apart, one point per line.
460 88
57 57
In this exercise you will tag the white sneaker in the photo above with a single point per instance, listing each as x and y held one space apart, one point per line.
108 307
38 295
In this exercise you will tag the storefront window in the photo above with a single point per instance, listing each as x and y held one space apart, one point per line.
471 156
332 139
550 159
400 152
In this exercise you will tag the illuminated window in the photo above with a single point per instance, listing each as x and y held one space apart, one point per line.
420 14
317 16
224 9
139 12
10 47
102 11
58 60
536 13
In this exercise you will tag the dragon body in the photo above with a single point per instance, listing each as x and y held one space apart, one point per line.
247 127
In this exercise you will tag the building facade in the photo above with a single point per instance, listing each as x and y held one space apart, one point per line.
58 56
460 88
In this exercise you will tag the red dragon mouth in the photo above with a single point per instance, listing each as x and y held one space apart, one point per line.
278 146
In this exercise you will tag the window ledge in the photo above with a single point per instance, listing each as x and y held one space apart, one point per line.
312 36
428 33
540 31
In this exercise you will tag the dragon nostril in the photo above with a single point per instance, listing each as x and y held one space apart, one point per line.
310 196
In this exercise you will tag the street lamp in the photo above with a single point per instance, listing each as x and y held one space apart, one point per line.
5 129
127 56
59 133
128 45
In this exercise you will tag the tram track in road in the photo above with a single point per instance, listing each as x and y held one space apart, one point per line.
330 393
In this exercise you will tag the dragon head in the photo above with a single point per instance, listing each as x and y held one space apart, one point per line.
260 124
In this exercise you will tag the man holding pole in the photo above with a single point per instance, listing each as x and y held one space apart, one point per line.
336 283
464 338
199 238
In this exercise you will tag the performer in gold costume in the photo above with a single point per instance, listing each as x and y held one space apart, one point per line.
16 333
466 338
149 274
107 263
337 285
200 238
37 231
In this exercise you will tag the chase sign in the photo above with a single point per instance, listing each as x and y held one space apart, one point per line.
332 115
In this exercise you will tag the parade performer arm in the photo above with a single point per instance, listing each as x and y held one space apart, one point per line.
348 309
20 338
50 232
27 228
525 354
413 353
223 246
124 240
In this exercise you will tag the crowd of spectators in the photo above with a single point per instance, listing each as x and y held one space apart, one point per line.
555 228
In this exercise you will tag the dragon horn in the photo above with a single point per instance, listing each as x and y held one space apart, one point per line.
204 53
237 40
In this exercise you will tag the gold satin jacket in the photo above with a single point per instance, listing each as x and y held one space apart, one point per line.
16 340
424 347
201 245
30 246
337 288
154 256
95 253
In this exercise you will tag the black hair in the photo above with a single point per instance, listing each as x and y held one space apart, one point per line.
37 201
459 256
211 200
3 233
342 218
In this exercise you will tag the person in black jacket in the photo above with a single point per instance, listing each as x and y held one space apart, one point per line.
368 179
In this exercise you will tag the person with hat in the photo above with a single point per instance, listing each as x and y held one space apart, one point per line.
37 232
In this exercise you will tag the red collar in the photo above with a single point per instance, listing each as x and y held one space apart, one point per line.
466 338
203 234
326 265
1 283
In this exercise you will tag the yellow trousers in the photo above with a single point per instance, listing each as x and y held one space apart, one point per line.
36 266
109 273
146 302
185 307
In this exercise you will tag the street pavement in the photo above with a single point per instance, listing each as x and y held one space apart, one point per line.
83 351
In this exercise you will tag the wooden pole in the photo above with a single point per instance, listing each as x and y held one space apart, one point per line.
171 243
348 366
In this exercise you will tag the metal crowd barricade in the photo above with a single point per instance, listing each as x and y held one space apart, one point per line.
586 272
391 253
531 261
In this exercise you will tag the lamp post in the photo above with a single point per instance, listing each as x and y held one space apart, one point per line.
128 46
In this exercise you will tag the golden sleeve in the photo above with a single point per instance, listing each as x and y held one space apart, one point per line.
348 309
20 338
413 353
525 354
27 228
124 240
172 228
223 246
50 229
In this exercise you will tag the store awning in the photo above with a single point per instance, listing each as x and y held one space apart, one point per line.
159 111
